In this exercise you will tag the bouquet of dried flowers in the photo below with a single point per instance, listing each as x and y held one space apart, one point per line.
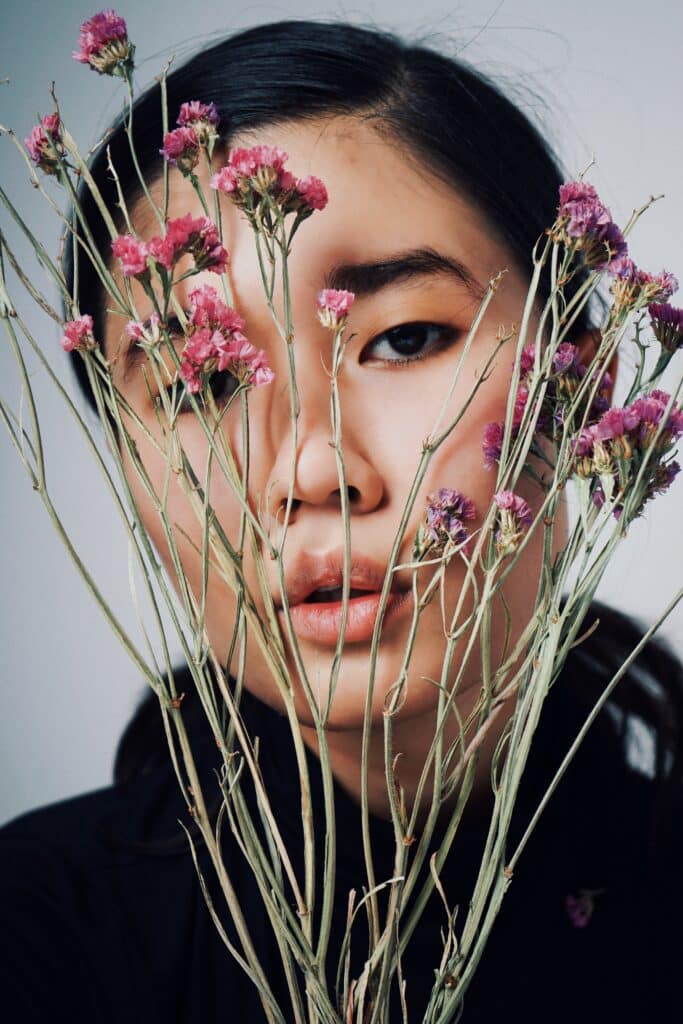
559 430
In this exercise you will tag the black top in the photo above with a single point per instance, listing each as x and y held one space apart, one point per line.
94 923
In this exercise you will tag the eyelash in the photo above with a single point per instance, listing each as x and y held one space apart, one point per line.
448 335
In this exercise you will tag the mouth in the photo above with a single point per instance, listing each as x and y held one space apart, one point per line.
318 618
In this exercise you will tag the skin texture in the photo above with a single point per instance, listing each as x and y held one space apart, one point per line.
381 202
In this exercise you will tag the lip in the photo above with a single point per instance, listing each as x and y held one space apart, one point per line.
320 622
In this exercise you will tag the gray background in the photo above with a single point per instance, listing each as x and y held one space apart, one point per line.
600 82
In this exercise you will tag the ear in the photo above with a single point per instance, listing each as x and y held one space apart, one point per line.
587 343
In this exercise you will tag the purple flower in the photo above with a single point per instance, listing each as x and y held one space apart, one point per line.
447 512
633 287
514 516
667 324
585 221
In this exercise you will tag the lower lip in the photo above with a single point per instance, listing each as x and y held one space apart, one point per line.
320 622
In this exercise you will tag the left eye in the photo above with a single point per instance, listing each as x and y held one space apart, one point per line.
409 342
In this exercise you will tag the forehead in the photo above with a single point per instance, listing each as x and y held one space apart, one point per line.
382 199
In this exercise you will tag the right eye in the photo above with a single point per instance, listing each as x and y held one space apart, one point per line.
222 383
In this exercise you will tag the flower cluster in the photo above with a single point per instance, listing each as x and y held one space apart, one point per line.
333 306
667 324
514 516
634 288
104 44
447 512
197 123
44 144
78 334
585 222
188 235
148 333
251 175
611 451
566 373
215 342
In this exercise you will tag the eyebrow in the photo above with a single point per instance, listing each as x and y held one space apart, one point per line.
365 279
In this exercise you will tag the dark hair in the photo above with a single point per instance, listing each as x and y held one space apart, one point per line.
457 123
446 114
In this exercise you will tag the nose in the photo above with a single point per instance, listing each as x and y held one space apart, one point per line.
316 477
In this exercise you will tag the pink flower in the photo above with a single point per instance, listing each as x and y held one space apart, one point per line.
312 192
104 44
225 180
209 310
514 516
42 151
195 111
78 334
333 306
132 253
147 332
635 288
197 236
181 148
492 444
584 221
511 502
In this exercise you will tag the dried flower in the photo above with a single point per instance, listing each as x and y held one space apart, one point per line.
634 288
333 306
215 342
514 516
44 144
147 332
78 334
586 223
612 450
181 148
252 174
132 253
447 512
667 324
202 117
104 44
197 237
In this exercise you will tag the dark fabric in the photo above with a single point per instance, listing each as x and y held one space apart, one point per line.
97 927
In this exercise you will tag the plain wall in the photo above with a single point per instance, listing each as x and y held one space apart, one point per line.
600 82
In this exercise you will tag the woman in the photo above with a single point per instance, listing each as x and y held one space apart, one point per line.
436 183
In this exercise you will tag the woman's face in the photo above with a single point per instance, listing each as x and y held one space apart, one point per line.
382 208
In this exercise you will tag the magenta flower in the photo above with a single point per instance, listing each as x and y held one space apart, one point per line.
312 191
667 324
333 306
616 445
634 288
209 310
78 334
585 222
492 444
514 516
197 237
132 253
104 44
202 117
251 174
579 909
181 148
44 145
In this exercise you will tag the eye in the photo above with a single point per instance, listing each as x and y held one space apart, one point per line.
412 341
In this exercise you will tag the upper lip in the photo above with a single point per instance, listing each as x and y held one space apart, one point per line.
308 572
